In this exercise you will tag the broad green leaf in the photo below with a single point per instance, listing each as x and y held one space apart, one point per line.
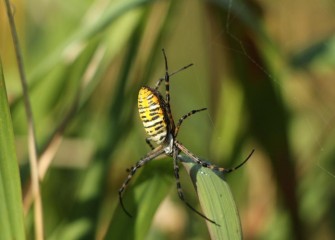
216 201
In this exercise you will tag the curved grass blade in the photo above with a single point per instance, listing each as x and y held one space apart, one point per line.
141 199
11 212
216 201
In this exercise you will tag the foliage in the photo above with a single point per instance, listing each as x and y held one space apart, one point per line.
264 70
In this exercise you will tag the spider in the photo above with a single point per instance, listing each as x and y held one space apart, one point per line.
155 113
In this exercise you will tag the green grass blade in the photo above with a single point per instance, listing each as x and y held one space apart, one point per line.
141 199
83 34
11 217
216 201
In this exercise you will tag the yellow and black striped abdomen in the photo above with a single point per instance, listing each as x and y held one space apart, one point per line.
152 114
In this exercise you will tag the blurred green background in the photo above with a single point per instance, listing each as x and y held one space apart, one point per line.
264 69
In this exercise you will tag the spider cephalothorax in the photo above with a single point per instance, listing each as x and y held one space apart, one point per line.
157 119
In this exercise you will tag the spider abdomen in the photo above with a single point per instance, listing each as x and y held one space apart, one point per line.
152 114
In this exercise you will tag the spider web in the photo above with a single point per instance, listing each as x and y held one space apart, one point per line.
328 121
322 113
304 91
303 80
305 86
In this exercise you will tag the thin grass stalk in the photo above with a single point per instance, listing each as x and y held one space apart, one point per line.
38 212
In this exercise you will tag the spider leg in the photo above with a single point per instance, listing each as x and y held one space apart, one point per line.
241 164
186 116
148 141
151 155
209 165
167 80
170 75
167 94
180 190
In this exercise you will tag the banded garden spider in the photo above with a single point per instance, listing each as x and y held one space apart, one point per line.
155 113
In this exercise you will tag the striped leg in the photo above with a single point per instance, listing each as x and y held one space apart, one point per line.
209 165
156 152
148 141
180 190
170 75
167 93
184 117
167 80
